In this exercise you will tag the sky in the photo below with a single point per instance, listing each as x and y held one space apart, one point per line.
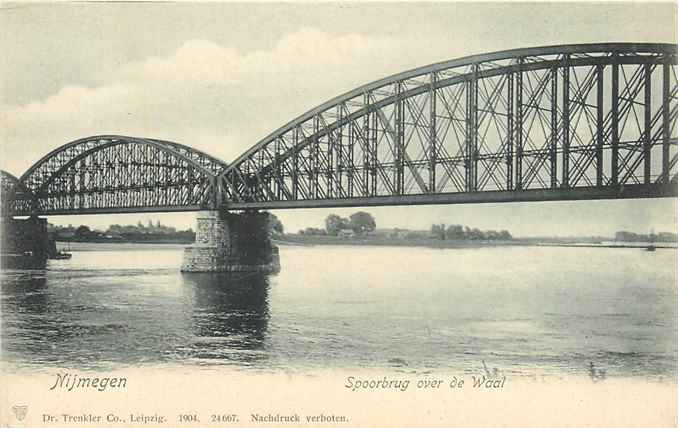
220 76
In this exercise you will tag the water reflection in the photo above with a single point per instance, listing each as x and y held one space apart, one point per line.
97 319
24 301
22 282
230 315
377 307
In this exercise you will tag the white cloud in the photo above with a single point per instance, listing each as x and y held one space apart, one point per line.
195 61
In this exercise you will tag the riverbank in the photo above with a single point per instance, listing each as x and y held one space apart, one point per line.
312 240
118 246
130 241
309 241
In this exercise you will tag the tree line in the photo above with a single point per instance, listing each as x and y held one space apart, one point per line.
358 223
639 237
117 232
458 231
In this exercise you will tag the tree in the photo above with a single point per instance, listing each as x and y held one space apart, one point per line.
438 231
492 235
362 222
334 223
505 235
412 235
455 231
275 226
82 232
313 231
476 234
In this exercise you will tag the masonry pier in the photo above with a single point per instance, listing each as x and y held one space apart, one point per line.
24 243
231 242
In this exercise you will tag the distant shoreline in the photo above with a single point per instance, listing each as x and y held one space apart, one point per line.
132 241
313 240
73 246
309 241
296 240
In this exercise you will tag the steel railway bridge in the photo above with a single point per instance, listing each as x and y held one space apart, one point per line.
594 121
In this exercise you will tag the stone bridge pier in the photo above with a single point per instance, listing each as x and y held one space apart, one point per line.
25 243
231 242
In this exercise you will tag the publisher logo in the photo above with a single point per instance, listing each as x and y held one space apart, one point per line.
20 412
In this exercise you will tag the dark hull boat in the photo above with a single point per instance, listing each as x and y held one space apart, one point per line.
61 255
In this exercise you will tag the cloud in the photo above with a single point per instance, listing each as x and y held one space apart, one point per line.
195 61
213 97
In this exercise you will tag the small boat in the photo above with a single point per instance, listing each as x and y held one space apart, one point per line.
61 255
650 248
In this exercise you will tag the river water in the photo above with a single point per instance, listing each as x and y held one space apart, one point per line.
529 311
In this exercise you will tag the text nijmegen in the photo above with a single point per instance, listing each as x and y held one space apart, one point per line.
69 382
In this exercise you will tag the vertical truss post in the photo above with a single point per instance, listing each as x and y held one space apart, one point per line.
467 138
553 148
509 132
315 147
615 121
265 180
366 147
600 124
339 149
351 160
476 128
329 170
295 165
566 121
647 109
400 140
221 192
212 201
81 190
666 126
519 126
432 136
374 154
188 177
472 130
276 168
71 196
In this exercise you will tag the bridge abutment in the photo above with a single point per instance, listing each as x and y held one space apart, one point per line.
231 242
24 243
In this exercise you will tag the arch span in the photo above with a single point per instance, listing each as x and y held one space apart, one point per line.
122 174
52 161
14 196
538 123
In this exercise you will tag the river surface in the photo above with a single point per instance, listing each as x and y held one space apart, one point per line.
529 311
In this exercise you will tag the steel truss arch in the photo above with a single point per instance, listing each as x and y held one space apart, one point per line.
122 174
14 196
556 117
41 169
